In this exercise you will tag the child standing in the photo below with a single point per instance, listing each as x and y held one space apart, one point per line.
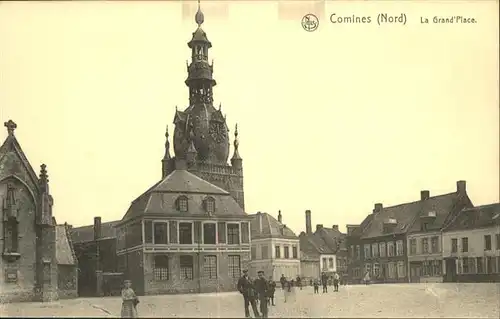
316 286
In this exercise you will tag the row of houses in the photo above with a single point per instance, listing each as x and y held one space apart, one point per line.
433 239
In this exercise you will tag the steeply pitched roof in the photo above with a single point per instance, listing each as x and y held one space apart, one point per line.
477 217
322 241
13 161
86 233
161 198
182 181
64 250
358 231
271 227
408 213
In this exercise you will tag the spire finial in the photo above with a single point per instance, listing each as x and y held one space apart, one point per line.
220 106
167 146
199 17
44 178
11 126
236 141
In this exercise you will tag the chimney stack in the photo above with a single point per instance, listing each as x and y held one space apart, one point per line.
97 228
280 218
308 222
425 195
335 227
461 187
319 227
378 208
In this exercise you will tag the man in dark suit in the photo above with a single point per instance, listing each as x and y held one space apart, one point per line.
262 289
246 288
324 281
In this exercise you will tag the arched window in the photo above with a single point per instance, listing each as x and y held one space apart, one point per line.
182 203
209 205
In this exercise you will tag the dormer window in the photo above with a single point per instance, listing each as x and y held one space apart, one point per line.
431 214
391 221
182 204
209 205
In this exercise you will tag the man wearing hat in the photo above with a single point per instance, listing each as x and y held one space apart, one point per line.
262 289
246 288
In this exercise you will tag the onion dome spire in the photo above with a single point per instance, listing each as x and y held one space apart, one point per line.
199 18
167 146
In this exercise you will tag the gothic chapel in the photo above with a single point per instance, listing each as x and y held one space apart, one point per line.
38 261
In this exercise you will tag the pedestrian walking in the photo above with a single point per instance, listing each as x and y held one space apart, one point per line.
246 288
299 282
324 282
129 301
316 286
272 290
336 279
367 278
262 290
282 281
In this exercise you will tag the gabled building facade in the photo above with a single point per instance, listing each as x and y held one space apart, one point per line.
320 250
384 240
275 247
471 245
424 236
34 247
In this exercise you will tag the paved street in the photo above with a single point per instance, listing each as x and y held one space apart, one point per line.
398 300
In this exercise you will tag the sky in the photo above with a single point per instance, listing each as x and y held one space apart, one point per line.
332 121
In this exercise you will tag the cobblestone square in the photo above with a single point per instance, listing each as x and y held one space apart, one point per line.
384 301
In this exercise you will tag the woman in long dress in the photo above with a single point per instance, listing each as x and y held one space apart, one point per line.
130 301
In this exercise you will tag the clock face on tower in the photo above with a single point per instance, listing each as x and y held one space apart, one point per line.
217 131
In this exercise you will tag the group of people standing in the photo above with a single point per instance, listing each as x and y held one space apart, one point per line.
324 283
260 290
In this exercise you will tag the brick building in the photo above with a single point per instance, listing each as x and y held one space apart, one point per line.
471 245
275 247
95 248
38 262
424 236
355 263
379 246
322 251
183 235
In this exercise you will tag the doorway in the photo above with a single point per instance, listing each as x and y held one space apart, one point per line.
451 270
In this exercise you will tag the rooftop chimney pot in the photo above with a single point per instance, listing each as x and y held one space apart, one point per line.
308 222
424 195
461 187
378 207
97 228
319 227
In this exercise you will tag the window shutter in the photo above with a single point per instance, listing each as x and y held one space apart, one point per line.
197 232
221 232
173 232
245 237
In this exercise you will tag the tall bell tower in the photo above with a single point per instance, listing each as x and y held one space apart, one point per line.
201 136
